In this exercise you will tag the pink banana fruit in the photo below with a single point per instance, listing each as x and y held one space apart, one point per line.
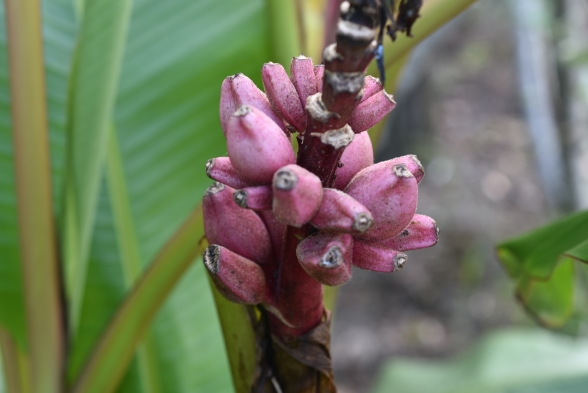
236 277
302 74
327 258
254 198
283 96
240 230
371 111
221 169
390 193
377 257
422 232
238 90
319 72
340 213
357 156
297 195
257 147
372 86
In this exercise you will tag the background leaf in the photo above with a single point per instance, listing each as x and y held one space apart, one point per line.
542 262
92 91
514 361
535 253
579 252
550 301
59 35
177 55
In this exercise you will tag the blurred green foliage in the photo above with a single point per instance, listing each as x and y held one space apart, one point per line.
510 361
542 263
165 115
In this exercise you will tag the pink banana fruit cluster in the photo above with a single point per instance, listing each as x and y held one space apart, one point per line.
367 218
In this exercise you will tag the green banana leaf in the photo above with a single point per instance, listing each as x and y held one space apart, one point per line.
542 263
535 253
59 34
167 127
511 361
166 119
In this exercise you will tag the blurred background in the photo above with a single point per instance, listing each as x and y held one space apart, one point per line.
495 106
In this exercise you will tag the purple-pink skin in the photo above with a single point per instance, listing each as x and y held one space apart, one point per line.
236 277
302 74
282 95
340 213
256 145
422 232
371 86
376 257
276 230
297 195
390 193
254 198
326 257
357 156
413 164
368 113
240 230
221 169
319 72
238 90
302 256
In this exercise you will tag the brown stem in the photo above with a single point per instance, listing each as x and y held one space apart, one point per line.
345 64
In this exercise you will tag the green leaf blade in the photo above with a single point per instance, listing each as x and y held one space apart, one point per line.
551 302
12 311
578 252
59 34
97 64
107 363
166 118
542 262
535 253
130 257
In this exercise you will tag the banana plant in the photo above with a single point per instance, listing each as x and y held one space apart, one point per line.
108 114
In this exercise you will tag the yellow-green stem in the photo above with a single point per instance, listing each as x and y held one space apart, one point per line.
112 354
41 272
14 364
130 253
